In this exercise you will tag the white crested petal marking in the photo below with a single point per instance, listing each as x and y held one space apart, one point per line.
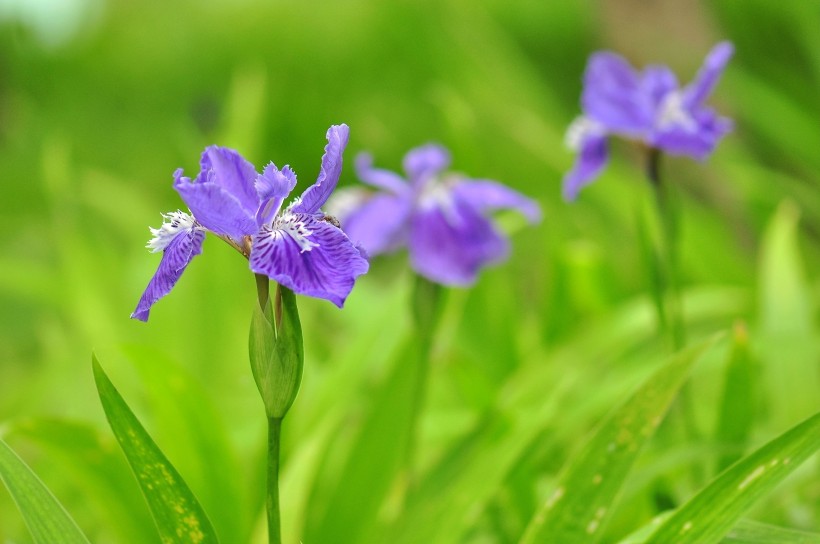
173 224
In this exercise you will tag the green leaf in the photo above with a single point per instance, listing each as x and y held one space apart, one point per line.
710 514
739 400
753 532
114 507
177 513
745 532
582 502
45 517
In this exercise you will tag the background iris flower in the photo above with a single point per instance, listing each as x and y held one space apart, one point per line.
295 246
440 217
648 106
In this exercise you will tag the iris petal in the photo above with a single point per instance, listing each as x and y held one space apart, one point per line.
613 96
309 256
273 186
591 159
214 207
713 66
178 252
424 162
317 194
450 244
377 177
696 141
380 224
231 171
487 195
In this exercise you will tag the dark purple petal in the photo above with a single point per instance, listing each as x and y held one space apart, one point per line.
382 179
273 186
486 195
450 242
379 224
317 194
309 256
214 207
591 159
178 252
422 163
613 95
699 90
697 138
228 169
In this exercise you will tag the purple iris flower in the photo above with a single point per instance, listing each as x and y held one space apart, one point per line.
441 217
648 106
299 247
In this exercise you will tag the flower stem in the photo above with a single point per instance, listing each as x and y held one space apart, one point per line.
272 502
426 307
670 311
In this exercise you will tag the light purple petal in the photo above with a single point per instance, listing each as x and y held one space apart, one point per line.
309 256
214 207
317 194
487 195
273 186
422 163
591 159
613 96
697 139
699 90
177 254
379 224
450 243
656 83
382 179
228 169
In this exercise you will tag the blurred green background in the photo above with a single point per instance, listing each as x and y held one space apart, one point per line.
100 100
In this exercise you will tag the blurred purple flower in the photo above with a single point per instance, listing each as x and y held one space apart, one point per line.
441 217
647 106
296 246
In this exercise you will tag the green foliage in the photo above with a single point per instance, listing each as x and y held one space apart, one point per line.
520 368
177 513
709 515
45 516
587 489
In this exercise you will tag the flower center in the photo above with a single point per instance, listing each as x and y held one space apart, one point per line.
672 113
293 226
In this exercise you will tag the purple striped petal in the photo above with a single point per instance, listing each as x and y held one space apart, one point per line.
613 96
317 194
424 162
381 179
379 224
699 90
180 240
309 256
487 195
450 243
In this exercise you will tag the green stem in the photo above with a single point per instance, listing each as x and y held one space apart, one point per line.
427 304
272 503
670 311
